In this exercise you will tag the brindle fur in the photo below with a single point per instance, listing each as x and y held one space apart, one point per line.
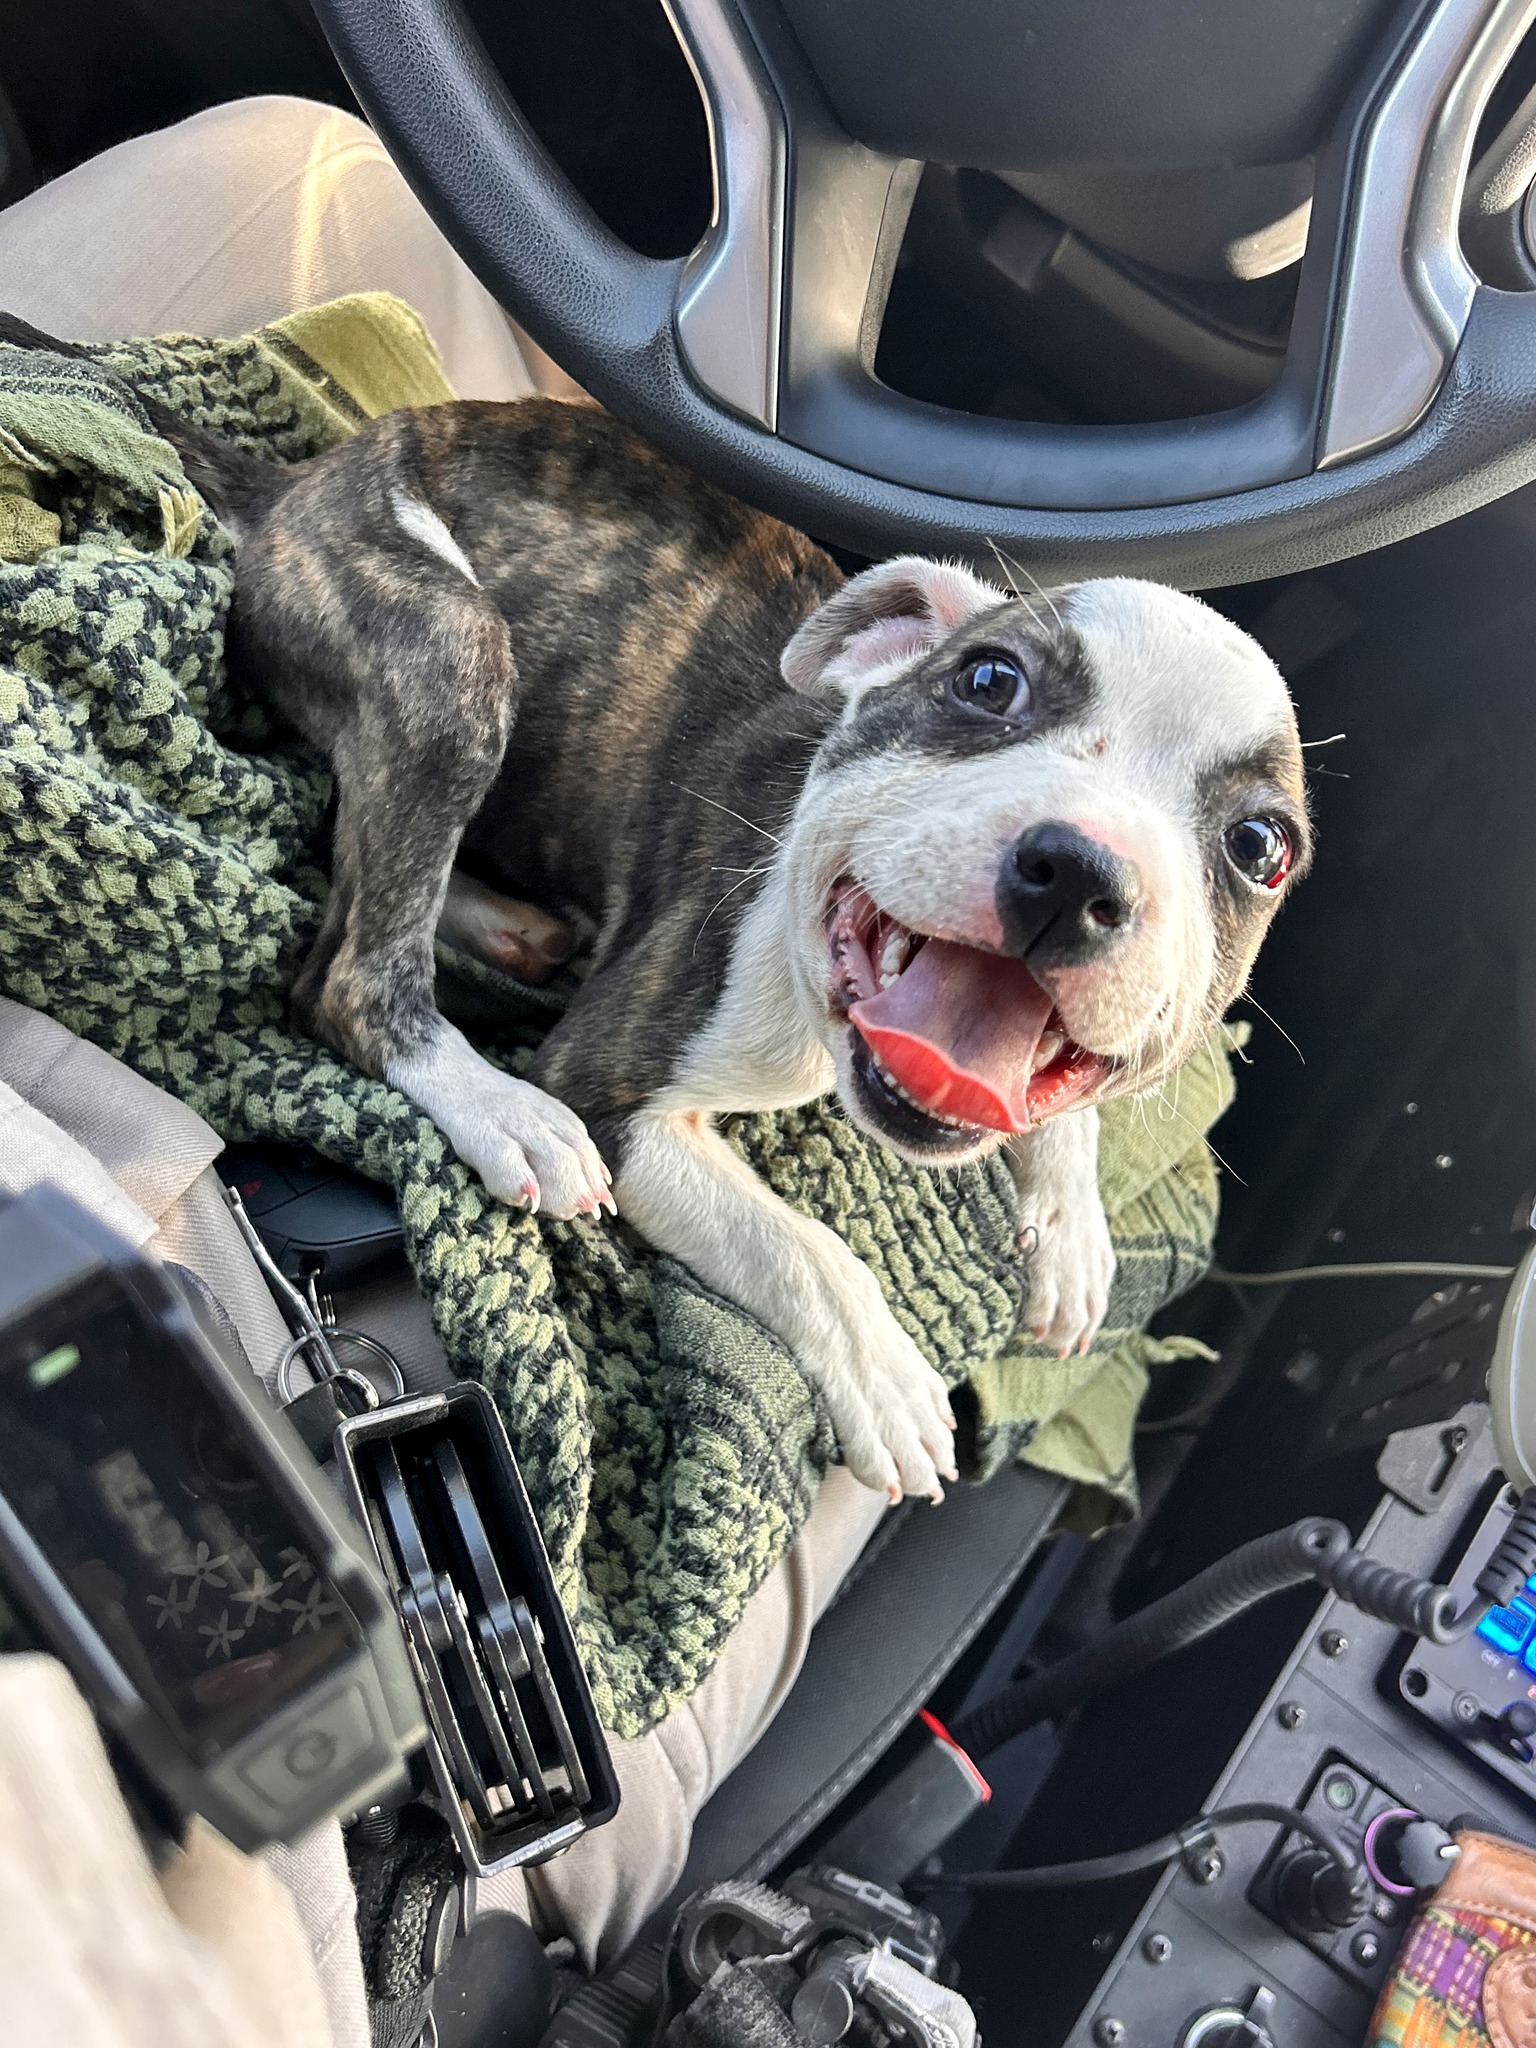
572 717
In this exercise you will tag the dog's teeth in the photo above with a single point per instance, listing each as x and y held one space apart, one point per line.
1049 1047
893 955
954 1123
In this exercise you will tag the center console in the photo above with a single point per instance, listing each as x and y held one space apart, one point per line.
1393 1741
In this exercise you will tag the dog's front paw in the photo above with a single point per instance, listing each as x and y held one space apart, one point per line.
889 1407
1070 1261
530 1150
533 1152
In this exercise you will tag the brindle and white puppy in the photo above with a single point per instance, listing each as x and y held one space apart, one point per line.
977 862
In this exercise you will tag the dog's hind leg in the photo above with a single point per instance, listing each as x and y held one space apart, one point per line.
521 940
414 758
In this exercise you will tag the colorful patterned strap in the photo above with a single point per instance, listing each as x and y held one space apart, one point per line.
1466 1974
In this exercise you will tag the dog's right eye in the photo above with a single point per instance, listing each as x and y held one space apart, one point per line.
995 683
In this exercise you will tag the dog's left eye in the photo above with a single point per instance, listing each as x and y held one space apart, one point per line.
1260 850
995 683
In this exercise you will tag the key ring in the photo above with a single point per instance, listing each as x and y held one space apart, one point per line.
291 1356
296 1349
312 1331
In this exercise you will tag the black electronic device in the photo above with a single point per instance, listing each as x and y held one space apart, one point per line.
518 1763
165 1533
1481 1691
315 1218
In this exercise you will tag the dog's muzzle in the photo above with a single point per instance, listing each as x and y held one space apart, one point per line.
953 1043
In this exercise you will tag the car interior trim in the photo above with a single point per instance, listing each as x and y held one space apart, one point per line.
1407 289
729 301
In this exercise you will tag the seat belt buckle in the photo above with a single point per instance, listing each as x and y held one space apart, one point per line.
517 1761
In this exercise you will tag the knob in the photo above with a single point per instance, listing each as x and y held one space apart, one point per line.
1233 2026
1406 1853
1315 1896
1515 1727
824 2007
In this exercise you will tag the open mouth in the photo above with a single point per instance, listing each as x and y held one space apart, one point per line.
952 1042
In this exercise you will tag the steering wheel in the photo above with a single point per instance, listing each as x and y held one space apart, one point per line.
1408 393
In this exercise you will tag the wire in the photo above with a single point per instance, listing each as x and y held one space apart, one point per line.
1382 1269
1128 1862
1255 1571
1314 1549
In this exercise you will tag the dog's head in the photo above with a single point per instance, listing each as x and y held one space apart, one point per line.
1037 852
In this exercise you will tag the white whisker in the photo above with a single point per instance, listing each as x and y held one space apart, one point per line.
1225 1164
1003 565
746 877
1039 589
748 822
1247 997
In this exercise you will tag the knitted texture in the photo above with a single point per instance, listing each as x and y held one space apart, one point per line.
165 856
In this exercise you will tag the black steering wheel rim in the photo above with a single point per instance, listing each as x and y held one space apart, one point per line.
1262 491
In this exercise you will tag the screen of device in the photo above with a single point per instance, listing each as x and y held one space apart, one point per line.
152 1510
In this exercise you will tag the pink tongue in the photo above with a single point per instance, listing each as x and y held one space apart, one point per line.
958 1029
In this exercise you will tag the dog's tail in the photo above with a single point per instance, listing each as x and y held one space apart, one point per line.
238 486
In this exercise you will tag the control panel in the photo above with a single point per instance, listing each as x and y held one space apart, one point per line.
1295 1887
1481 1692
1255 1944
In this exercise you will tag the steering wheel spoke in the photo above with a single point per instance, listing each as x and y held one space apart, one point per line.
731 294
1408 391
1405 288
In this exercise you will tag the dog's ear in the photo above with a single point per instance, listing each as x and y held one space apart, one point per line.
886 616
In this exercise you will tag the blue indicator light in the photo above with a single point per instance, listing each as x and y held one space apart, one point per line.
1508 1628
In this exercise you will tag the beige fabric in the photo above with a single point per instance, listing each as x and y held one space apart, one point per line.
602 1891
314 1873
94 1952
237 216
32 1149
153 1146
198 1231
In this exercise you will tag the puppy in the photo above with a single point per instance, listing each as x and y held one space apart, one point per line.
978 862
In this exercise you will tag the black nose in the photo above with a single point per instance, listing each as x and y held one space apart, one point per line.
1063 898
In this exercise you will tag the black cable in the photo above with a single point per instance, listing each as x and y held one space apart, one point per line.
1314 1549
1378 1269
1505 1573
1268 1565
1149 1855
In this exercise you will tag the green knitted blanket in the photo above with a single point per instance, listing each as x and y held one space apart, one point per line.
164 859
